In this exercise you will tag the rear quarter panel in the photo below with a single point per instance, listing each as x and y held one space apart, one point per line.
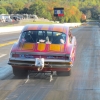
71 48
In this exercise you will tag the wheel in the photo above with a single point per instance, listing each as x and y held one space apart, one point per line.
21 73
64 73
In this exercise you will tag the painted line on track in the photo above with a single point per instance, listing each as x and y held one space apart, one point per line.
2 55
8 43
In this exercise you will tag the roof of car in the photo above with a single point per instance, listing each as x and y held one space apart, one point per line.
50 27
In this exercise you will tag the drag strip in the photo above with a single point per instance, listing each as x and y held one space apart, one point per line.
83 84
8 43
5 46
2 55
12 36
9 33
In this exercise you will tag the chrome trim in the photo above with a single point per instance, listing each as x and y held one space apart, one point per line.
20 64
41 53
46 60
46 65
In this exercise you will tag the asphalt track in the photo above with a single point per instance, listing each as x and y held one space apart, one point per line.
83 84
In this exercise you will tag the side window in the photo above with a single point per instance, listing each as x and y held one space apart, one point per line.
70 36
64 37
49 36
41 36
28 36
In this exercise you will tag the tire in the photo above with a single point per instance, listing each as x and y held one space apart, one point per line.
63 73
20 73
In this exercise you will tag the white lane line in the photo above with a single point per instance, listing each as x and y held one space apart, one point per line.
2 55
28 77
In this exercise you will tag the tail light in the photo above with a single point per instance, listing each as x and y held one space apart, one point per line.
15 55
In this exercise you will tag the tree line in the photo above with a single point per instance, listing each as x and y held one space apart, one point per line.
74 10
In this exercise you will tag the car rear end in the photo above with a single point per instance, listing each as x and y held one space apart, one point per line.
41 50
52 61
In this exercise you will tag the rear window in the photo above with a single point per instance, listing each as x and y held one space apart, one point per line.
50 37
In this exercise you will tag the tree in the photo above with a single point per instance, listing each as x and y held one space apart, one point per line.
88 14
8 7
73 19
23 11
83 17
3 11
39 8
17 6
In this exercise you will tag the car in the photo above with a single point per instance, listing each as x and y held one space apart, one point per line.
43 48
17 18
8 20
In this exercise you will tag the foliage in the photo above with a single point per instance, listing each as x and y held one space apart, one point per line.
17 6
83 18
88 14
73 9
3 10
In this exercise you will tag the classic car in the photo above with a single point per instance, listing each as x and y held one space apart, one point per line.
43 48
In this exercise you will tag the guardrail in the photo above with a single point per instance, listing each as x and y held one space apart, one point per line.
19 28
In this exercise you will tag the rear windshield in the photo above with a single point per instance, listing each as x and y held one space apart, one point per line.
50 37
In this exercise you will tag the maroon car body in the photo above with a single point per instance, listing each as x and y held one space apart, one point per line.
43 48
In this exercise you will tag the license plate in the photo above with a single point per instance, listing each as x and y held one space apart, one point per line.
22 56
39 62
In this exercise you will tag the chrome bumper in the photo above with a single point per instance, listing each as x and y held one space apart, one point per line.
54 63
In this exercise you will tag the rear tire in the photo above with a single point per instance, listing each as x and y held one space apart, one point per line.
64 73
20 73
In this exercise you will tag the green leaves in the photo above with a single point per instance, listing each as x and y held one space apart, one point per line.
3 10
44 8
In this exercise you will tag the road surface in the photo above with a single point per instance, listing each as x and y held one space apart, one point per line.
83 84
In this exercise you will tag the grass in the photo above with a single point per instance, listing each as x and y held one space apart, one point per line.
30 21
37 22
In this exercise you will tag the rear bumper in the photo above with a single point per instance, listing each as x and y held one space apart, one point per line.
49 64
